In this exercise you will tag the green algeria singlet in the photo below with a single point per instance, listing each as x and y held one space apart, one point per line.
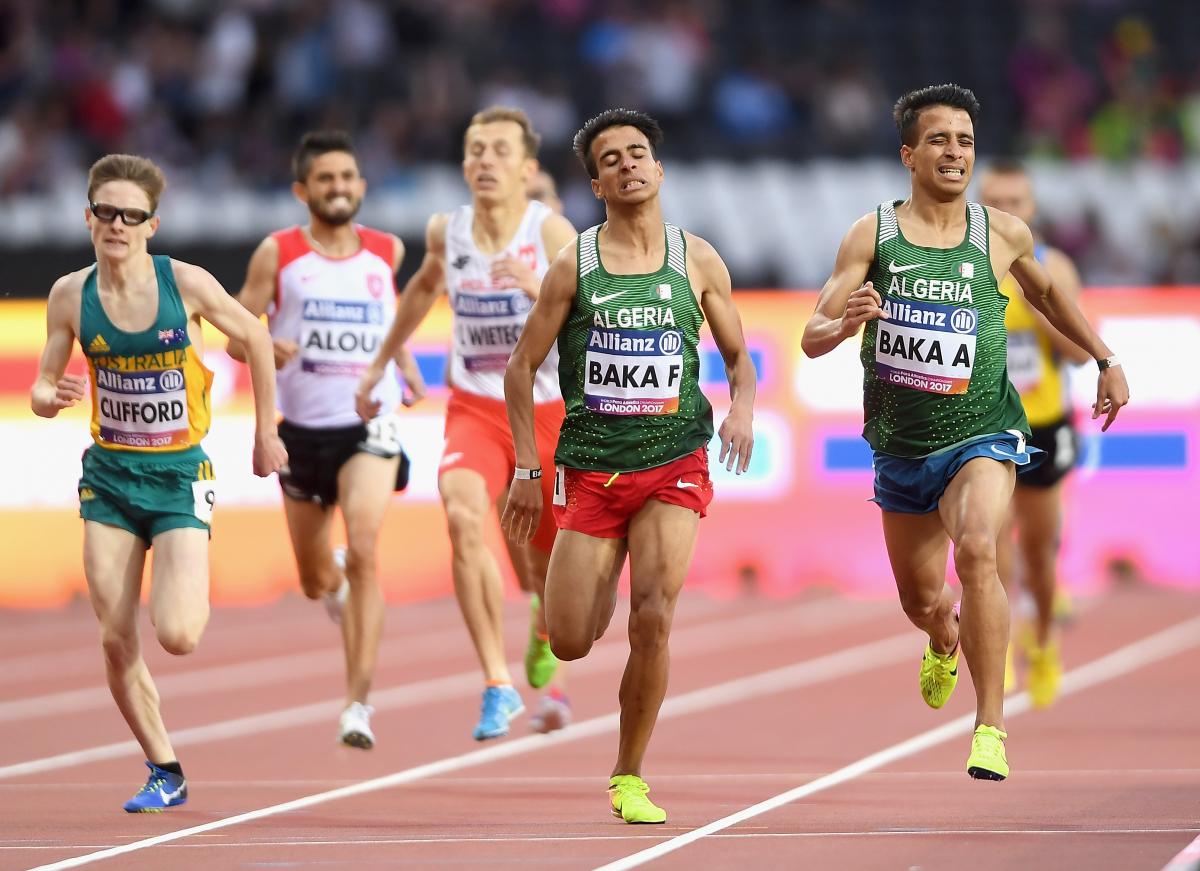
934 365
628 366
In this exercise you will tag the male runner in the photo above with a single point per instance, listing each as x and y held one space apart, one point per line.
1037 358
625 305
331 291
944 421
490 256
146 481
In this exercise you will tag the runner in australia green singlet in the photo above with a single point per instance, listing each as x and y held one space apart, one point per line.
945 424
146 480
628 365
625 305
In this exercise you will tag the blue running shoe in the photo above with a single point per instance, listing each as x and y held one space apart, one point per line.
162 790
500 706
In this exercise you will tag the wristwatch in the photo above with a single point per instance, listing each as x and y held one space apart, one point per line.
1108 362
520 474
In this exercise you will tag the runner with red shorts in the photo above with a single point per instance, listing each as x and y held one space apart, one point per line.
625 306
490 256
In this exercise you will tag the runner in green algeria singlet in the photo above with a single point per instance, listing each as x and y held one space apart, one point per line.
934 368
628 365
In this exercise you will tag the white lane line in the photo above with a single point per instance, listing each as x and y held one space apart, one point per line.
1188 858
1120 662
813 671
692 640
535 839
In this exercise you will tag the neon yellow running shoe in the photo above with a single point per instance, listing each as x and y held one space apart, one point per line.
987 761
939 676
1045 673
1010 671
630 802
540 661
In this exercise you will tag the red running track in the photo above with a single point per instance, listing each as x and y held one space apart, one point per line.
812 703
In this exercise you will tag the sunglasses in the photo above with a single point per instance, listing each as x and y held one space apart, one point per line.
129 217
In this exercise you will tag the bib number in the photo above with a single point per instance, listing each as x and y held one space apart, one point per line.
383 436
560 485
204 498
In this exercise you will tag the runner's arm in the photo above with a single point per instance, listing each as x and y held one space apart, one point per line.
54 390
256 294
524 507
845 303
419 294
1062 312
716 299
1065 277
203 295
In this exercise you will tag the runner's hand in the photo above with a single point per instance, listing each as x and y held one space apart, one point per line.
737 442
864 305
523 510
284 352
368 409
69 390
269 454
1112 392
514 272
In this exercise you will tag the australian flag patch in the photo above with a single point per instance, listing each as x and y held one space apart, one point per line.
172 336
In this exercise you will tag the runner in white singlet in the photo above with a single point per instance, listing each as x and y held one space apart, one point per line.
330 293
490 257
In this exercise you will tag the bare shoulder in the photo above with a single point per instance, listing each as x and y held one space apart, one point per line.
862 232
557 232
69 287
194 281
397 251
435 233
1009 227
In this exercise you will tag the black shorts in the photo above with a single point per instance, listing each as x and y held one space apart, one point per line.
1060 441
315 456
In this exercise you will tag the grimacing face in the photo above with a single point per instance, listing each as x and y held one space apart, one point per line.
1010 192
495 164
626 169
115 240
944 154
333 189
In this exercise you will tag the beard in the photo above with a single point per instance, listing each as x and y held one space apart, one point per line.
335 217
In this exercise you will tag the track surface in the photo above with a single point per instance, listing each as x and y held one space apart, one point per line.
768 698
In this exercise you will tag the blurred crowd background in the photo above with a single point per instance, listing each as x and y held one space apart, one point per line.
757 97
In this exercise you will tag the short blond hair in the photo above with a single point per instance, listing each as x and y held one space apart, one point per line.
529 137
142 171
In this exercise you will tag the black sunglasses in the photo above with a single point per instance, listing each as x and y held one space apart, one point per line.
129 217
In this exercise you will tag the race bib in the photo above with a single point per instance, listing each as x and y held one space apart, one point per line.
339 337
383 436
1024 360
204 498
488 326
926 346
633 371
143 409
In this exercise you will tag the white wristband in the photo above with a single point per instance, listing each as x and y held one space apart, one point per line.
520 474
1107 362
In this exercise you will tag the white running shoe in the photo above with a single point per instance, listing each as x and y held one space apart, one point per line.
335 601
355 726
552 714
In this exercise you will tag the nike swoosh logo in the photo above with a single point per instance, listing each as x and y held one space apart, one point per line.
168 797
600 300
896 270
954 673
1003 453
683 485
